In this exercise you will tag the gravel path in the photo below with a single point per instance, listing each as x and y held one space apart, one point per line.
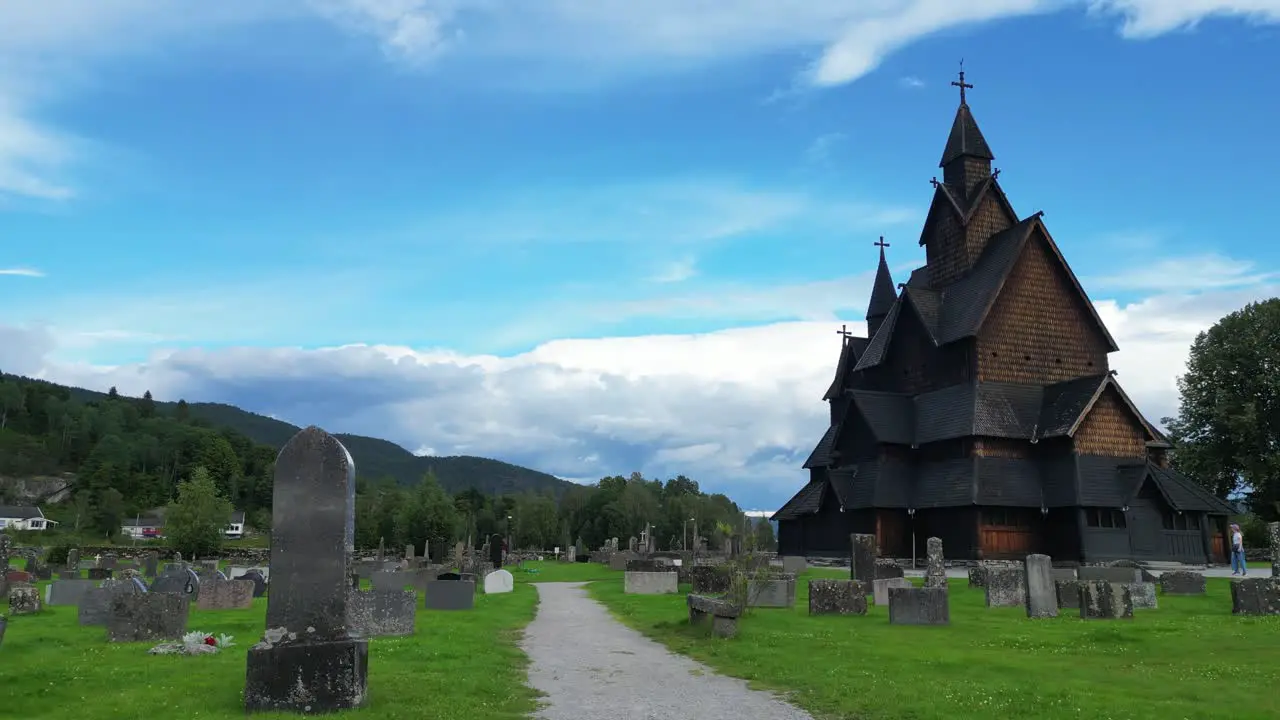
592 667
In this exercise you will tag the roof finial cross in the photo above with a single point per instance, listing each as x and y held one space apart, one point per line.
844 330
882 244
962 84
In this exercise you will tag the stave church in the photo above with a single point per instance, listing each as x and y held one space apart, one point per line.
980 407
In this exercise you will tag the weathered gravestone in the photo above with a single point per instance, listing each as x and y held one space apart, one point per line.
1143 595
382 613
450 592
307 660
794 564
24 600
837 597
1068 592
151 563
880 592
178 580
710 579
1101 600
495 550
1182 582
1040 591
1005 587
1255 596
1121 574
100 573
649 565
95 606
862 559
139 617
919 606
977 576
408 552
19 577
225 595
635 582
73 559
1273 535
935 573
498 582
6 547
66 592
389 580
772 591
888 569
259 582
620 560
110 560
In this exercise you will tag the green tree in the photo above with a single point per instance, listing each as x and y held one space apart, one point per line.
109 512
197 519
11 401
762 536
1227 432
147 407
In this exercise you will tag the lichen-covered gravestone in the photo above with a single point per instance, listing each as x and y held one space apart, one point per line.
382 613
1040 592
935 574
147 617
1068 594
862 565
1102 600
837 597
6 547
24 600
1144 595
308 661
1255 596
226 595
1273 534
888 569
151 563
95 606
1005 587
919 606
1182 582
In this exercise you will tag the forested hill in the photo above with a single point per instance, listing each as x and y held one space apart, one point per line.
31 407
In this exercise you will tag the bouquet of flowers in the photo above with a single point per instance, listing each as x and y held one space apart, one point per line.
195 643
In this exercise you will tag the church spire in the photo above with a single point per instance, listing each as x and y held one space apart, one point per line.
966 160
883 293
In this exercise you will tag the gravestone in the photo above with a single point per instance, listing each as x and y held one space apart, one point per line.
649 565
24 600
95 605
389 581
225 595
6 547
16 577
1064 574
919 606
837 597
639 582
382 613
1040 591
178 580
450 593
66 592
259 582
408 552
151 563
775 591
495 550
382 550
710 579
73 559
139 617
881 590
1273 534
1005 587
1255 596
307 661
935 574
99 573
1101 600
1144 595
888 569
498 582
794 564
1068 592
110 560
571 554
862 559
1182 582
977 576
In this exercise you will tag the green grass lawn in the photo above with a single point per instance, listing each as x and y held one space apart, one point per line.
1189 659
552 571
458 665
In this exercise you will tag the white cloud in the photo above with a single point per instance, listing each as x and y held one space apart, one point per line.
737 409
22 272
820 150
1149 18
911 81
677 271
1198 272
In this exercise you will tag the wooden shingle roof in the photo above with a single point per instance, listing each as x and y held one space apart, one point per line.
821 455
883 294
965 138
850 352
805 502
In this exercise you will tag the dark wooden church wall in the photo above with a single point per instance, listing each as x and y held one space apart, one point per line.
856 441
893 533
1100 536
790 537
989 219
1008 533
1060 534
826 532
945 249
1039 330
956 527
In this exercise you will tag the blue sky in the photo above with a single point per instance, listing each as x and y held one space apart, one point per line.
593 237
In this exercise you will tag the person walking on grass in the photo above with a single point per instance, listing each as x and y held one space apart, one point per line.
1238 566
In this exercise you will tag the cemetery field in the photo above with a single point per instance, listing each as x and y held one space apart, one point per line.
1189 659
536 572
457 664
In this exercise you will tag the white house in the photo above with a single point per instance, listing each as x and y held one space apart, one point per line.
235 527
14 517
150 527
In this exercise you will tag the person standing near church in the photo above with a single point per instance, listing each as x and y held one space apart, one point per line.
1238 564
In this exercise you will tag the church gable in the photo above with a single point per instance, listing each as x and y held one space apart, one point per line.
1041 328
1111 428
910 364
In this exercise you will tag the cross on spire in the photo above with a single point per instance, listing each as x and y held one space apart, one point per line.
881 244
962 84
844 330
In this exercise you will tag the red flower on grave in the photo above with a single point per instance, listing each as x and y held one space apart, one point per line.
210 641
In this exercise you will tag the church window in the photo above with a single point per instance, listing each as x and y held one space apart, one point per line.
1107 518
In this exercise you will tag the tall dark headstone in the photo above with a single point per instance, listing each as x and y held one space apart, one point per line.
1273 534
307 661
863 561
495 550
935 574
151 563
73 559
